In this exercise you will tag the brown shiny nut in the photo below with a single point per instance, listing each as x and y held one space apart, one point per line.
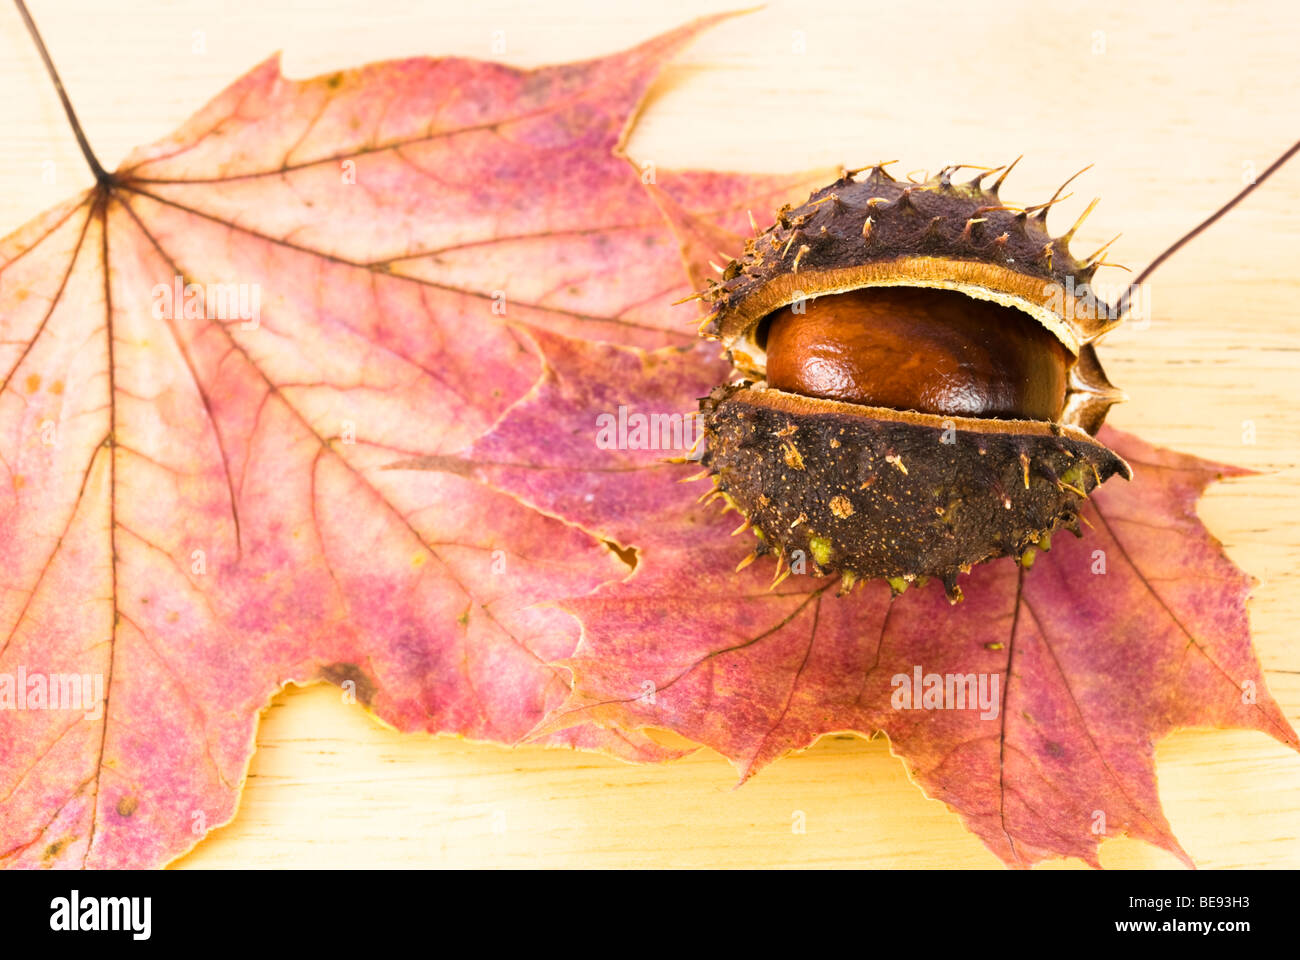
933 351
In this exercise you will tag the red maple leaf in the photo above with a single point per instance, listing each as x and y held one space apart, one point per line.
207 360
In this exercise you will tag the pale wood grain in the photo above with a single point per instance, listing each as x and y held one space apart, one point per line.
1183 98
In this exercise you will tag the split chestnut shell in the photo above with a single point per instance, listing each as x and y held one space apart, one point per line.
879 432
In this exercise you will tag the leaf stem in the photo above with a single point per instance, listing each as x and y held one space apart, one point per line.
102 176
1195 231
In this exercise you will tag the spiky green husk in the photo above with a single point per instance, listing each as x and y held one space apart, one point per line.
870 493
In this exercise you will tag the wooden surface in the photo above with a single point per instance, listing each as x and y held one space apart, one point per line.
1173 102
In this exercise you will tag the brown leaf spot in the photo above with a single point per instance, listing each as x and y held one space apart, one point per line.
626 554
440 462
126 806
341 673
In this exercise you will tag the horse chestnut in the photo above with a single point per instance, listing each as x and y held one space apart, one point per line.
934 351
917 389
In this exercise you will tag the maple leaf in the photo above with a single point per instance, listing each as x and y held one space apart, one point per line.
1110 642
206 362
